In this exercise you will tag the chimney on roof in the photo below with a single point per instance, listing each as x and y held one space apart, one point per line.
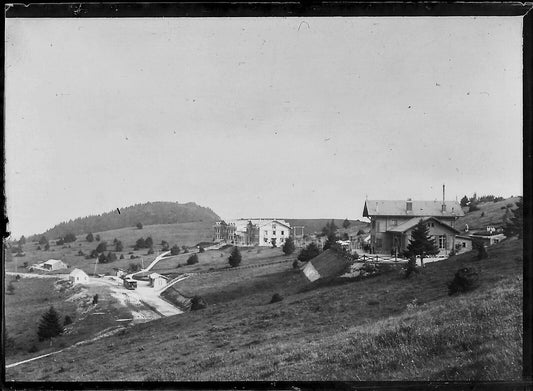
409 205
443 198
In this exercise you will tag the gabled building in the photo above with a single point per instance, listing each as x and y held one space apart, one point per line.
78 276
393 221
252 232
54 264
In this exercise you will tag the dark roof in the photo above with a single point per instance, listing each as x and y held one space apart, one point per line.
414 221
420 208
329 264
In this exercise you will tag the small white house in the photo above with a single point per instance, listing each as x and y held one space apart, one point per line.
54 264
78 276
157 281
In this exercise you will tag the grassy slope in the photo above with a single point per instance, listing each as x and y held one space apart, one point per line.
329 333
181 234
493 214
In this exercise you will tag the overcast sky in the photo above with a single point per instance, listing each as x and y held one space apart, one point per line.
285 117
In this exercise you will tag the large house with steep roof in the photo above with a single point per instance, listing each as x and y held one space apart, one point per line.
392 223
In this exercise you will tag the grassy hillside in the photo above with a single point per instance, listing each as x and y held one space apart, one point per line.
489 214
150 213
381 328
188 234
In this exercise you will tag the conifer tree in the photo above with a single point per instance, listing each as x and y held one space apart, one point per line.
50 325
516 223
421 243
89 237
235 257
288 247
346 224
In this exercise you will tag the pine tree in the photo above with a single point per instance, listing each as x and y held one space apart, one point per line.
22 240
288 247
43 240
464 201
309 252
50 325
89 237
421 243
516 223
346 224
235 257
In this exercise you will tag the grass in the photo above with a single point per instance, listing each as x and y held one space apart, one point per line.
493 215
382 328
187 234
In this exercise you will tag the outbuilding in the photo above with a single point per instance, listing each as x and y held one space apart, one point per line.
78 276
54 264
327 264
157 281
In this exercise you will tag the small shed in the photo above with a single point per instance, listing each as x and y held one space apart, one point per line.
327 264
463 244
54 264
78 276
157 281
119 272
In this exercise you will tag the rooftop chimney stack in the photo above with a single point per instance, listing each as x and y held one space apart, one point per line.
443 198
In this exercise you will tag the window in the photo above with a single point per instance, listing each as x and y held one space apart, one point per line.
464 244
283 232
377 226
273 233
394 222
266 232
265 240
273 226
442 241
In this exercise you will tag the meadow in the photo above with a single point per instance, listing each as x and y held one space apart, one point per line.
381 328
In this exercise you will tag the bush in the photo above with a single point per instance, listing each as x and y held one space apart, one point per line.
148 243
119 246
43 240
473 208
95 299
288 247
175 250
411 267
81 253
49 325
465 280
111 257
97 238
275 298
139 225
69 238
192 259
201 250
47 246
102 258
150 251
198 303
134 267
140 243
33 349
309 252
235 257
89 237
295 264
68 320
102 246
480 248
121 256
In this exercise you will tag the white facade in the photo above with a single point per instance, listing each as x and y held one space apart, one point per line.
274 231
78 276
54 264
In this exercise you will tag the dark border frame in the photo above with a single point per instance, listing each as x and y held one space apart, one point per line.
320 9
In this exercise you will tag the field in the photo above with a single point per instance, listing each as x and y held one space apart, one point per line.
489 213
382 328
188 234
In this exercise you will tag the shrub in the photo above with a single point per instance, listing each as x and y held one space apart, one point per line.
148 243
175 250
198 303
69 238
95 299
235 257
97 238
140 243
119 246
288 247
33 349
201 250
473 208
121 256
68 320
275 298
102 246
465 280
89 237
295 264
43 240
308 252
60 242
93 254
134 267
150 251
480 248
111 257
139 225
192 259
411 267
47 246
49 325
81 253
102 258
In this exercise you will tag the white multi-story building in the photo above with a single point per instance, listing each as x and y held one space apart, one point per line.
253 232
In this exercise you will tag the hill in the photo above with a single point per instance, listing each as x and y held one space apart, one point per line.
316 225
381 328
489 214
149 213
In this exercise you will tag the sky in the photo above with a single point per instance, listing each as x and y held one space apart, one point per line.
258 117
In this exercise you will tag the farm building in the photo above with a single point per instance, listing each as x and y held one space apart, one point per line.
489 240
54 264
392 222
119 272
78 276
327 264
157 281
252 232
463 244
